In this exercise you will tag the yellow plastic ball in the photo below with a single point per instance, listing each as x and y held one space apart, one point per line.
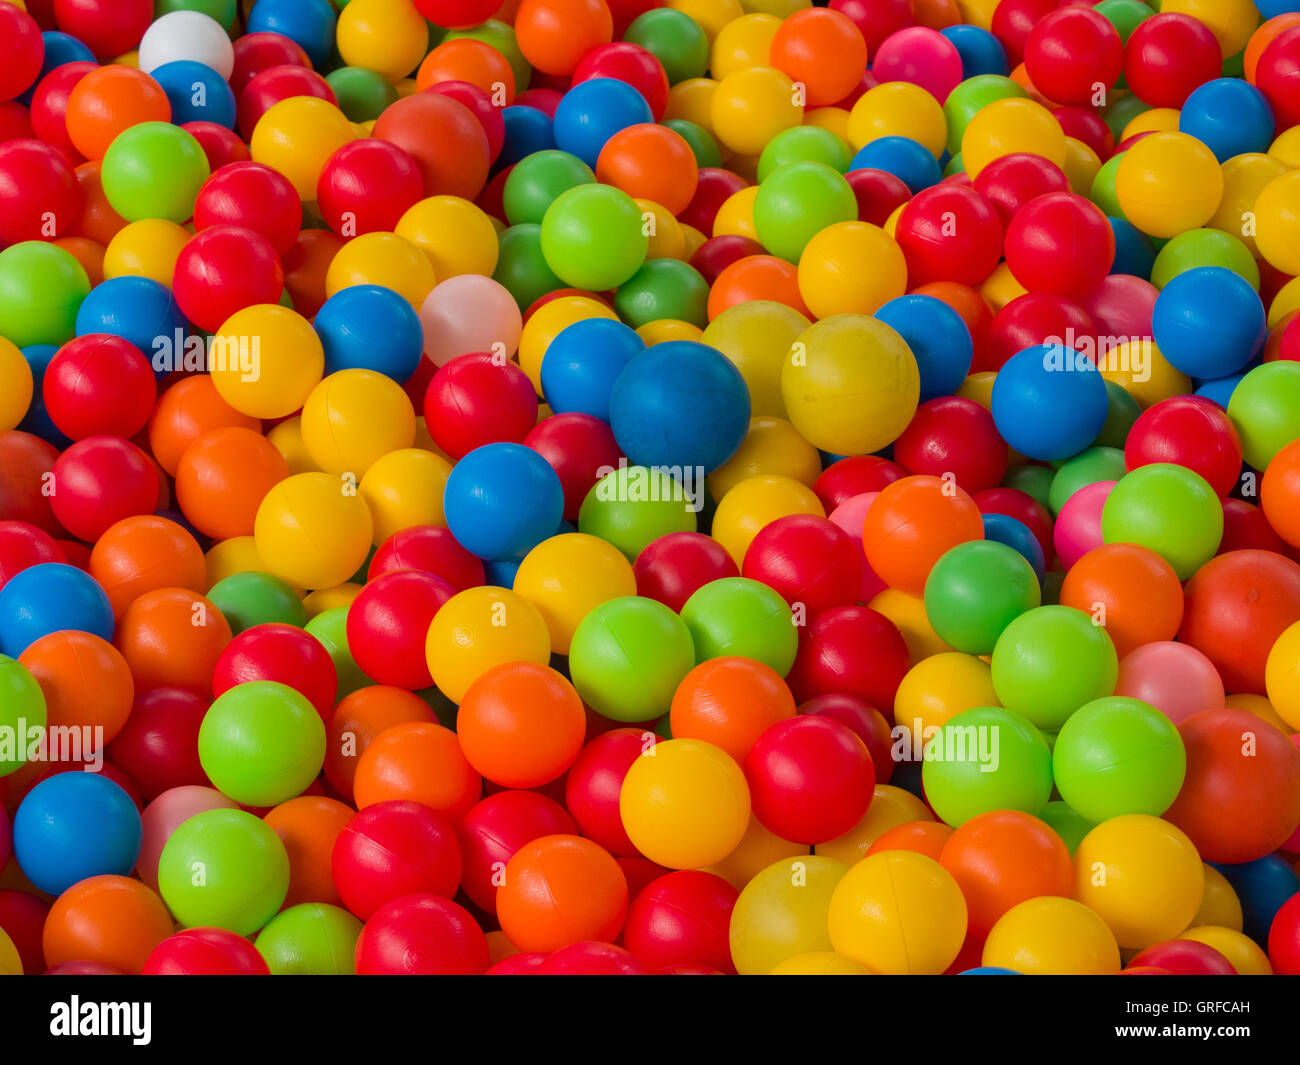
851 268
456 235
850 384
1277 222
287 439
832 119
754 503
712 15
735 218
547 322
1286 148
1242 952
1154 120
757 849
1231 21
743 43
772 446
1140 368
1081 165
329 598
898 913
403 489
780 8
387 36
692 100
752 106
978 12
297 136
1219 905
1001 287
662 330
693 238
821 963
382 259
890 807
667 239
1142 876
147 248
781 913
480 628
1244 178
979 388
1009 126
898 109
10 963
938 688
265 361
1168 183
1052 936
313 530
684 804
1260 707
756 337
228 557
907 612
16 385
1286 301
568 576
354 417
1282 676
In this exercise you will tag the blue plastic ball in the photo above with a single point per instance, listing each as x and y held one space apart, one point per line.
582 363
1220 390
308 22
49 598
370 327
1208 322
980 51
196 92
1272 8
592 112
60 48
1230 117
1261 886
1134 252
502 500
1049 402
528 130
75 825
679 404
989 970
938 337
140 310
908 160
500 572
1004 529
37 419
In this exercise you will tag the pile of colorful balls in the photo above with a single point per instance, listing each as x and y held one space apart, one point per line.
588 487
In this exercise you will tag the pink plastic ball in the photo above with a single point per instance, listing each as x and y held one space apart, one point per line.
923 56
1175 678
1078 525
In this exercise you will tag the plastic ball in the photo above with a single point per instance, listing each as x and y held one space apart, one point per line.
311 532
41 288
111 921
480 628
781 913
1137 511
1168 56
98 385
949 233
631 506
1052 936
495 829
1176 679
86 684
1049 401
502 500
450 942
975 590
1184 311
1264 410
205 952
1153 182
154 170
750 107
1008 125
48 598
40 196
682 918
267 360
1060 243
1069 54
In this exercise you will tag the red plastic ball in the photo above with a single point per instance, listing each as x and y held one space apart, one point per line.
392 849
1283 938
1037 318
99 385
713 187
683 918
387 625
49 106
274 84
256 52
282 653
1187 431
432 549
949 233
421 935
25 463
366 187
1275 76
593 784
522 964
1060 243
1014 20
852 650
1168 55
864 719
252 196
457 14
878 192
592 959
953 435
22 49
1183 957
22 916
1072 51
854 476
109 28
876 19
810 561
494 829
674 567
1084 124
444 138
158 746
15 121
580 448
1245 528
23 545
1011 181
222 147
205 952
102 480
480 103
479 399
39 195
810 779
717 253
629 63
223 269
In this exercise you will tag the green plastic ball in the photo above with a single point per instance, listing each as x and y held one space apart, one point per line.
1068 823
1102 191
804 144
521 266
1122 411
22 713
1204 247
969 97
330 627
224 869
955 165
739 616
1035 481
254 598
975 591
1122 112
1265 408
633 505
704 146
663 288
536 182
1050 661
222 11
41 288
362 94
796 202
261 743
1170 509
1087 467
985 759
594 237
673 38
1124 15
311 939
154 170
1118 756
628 656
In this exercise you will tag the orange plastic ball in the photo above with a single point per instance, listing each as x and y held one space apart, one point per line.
86 682
822 49
521 724
172 638
358 719
308 827
88 253
650 162
923 837
559 890
110 920
222 479
188 410
306 265
912 523
729 702
1279 493
465 59
107 101
554 34
97 220
756 277
1267 33
143 554
444 138
1130 590
421 762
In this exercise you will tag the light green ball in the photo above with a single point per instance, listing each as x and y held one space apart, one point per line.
807 144
1067 822
331 628
631 506
1087 467
739 616
312 939
41 289
154 170
796 202
1265 408
22 712
1204 247
593 237
1169 509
